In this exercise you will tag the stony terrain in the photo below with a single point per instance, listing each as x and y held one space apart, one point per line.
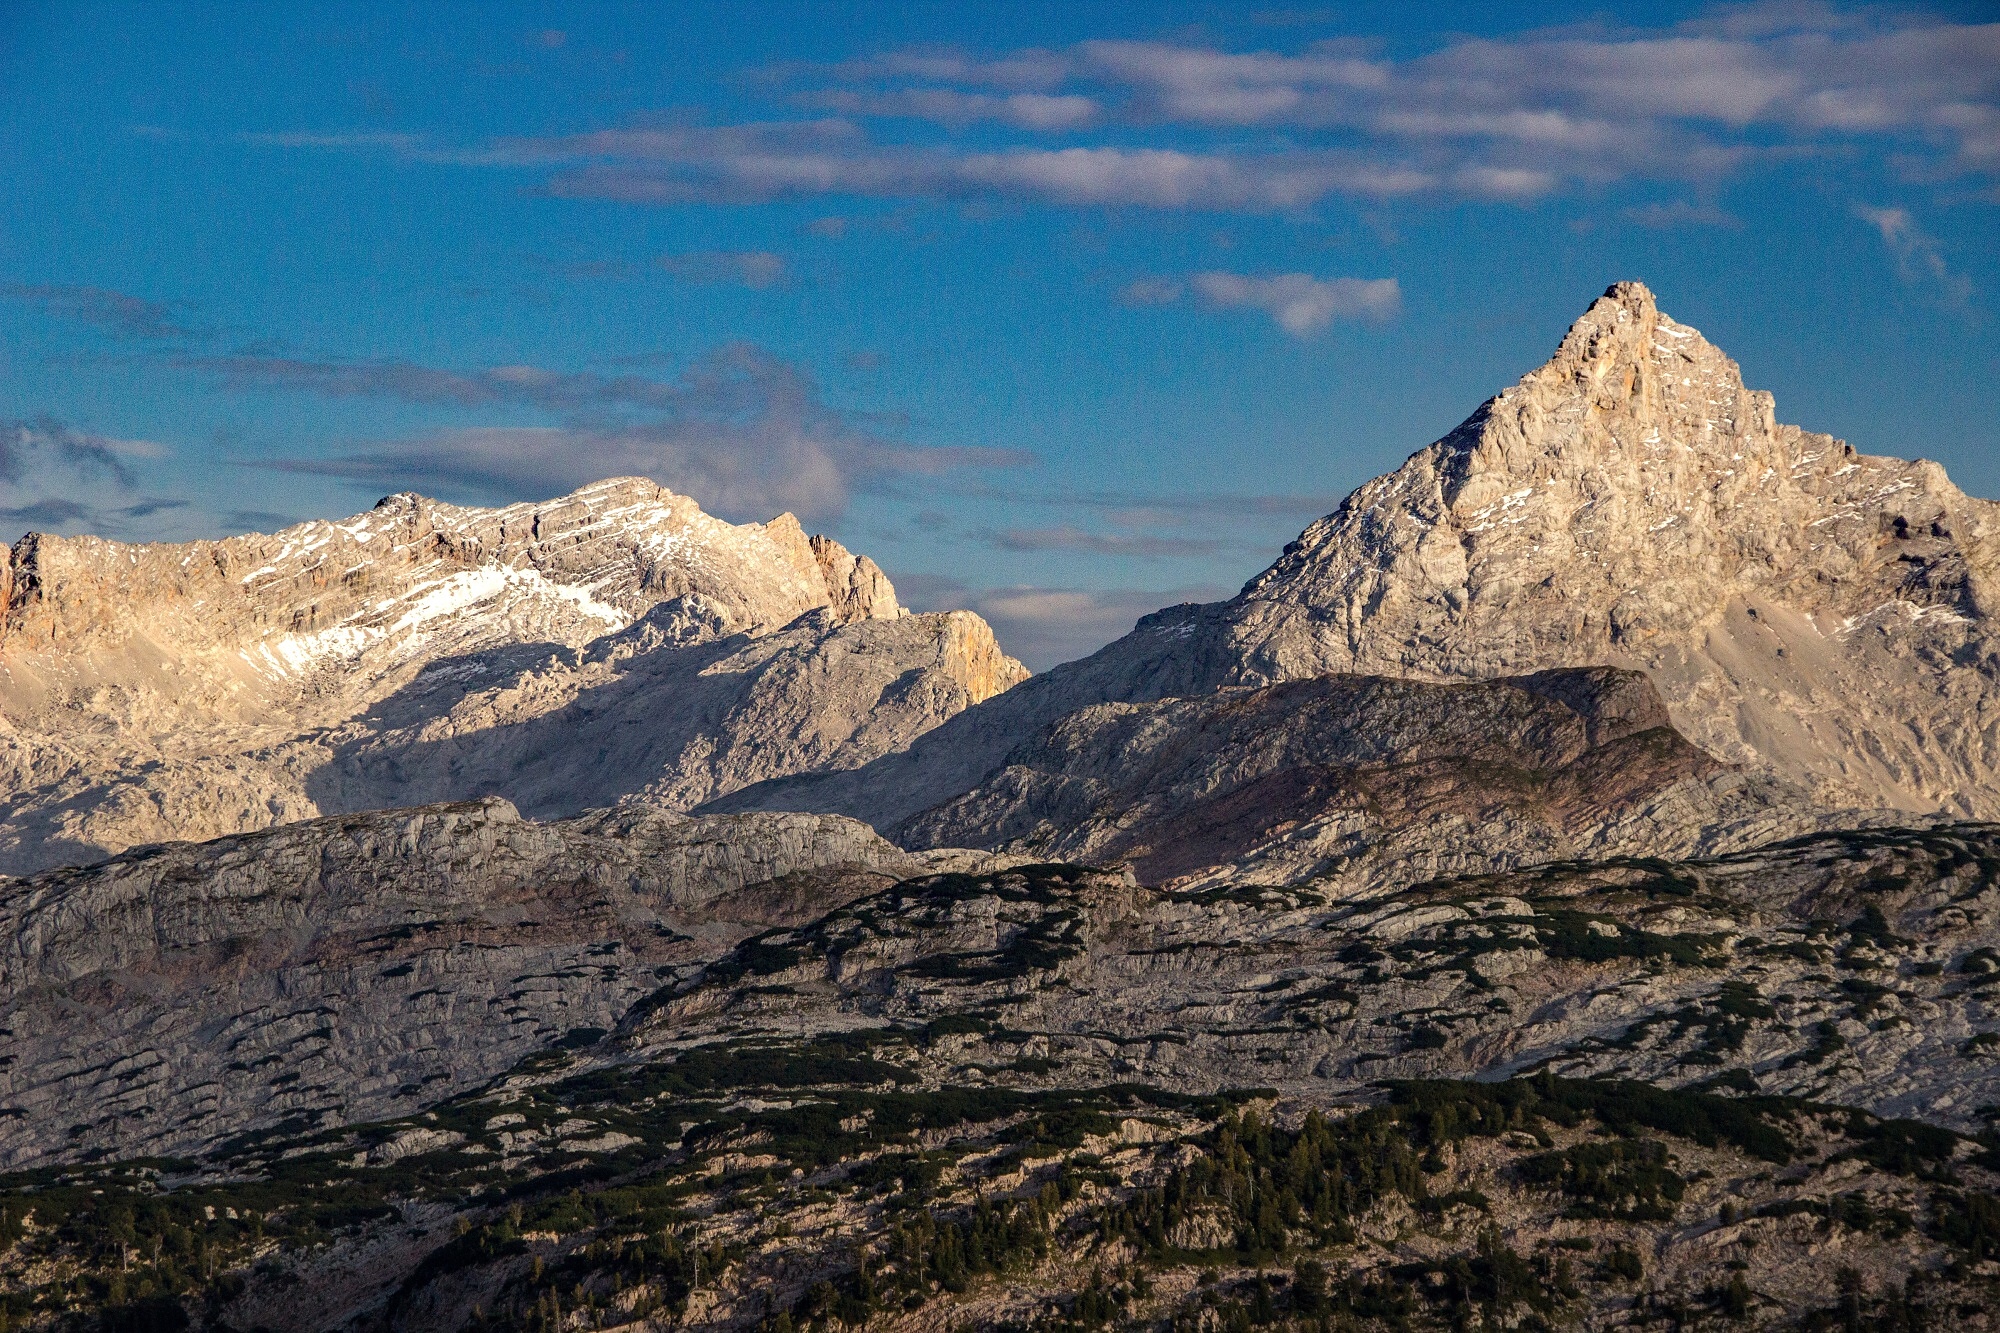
1048 1097
1553 895
615 642
348 968
1370 782
1804 610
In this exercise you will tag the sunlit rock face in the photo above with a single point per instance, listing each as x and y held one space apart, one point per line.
1810 614
617 642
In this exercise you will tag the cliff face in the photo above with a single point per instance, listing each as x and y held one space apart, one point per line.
1823 612
614 642
1819 616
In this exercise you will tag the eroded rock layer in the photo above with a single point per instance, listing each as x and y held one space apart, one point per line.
345 968
1823 616
615 642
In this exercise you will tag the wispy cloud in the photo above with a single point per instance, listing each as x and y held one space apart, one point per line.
1919 259
56 478
764 162
1679 213
744 433
1070 537
116 313
1124 525
755 269
1152 291
1298 303
1182 125
948 106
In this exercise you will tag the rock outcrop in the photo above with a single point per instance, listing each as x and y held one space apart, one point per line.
1577 1094
1819 615
1371 781
353 967
615 642
1853 967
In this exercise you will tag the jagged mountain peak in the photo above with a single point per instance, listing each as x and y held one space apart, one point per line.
555 651
380 587
1805 610
1632 502
1622 492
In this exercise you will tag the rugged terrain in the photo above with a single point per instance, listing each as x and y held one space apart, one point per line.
1370 781
615 642
1807 611
1554 894
1048 1097
347 968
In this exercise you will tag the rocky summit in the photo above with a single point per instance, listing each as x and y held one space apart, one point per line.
1562 891
615 642
1823 616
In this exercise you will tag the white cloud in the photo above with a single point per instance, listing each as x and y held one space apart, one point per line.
1919 259
1047 626
759 163
1181 125
1299 303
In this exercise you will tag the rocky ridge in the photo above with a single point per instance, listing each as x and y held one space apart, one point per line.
351 967
1533 902
1371 782
426 652
1805 611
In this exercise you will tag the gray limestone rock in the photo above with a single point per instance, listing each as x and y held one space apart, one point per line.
1812 613
613 643
356 966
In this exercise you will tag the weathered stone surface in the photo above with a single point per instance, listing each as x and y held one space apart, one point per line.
791 1126
1855 967
615 642
356 966
1807 611
1376 781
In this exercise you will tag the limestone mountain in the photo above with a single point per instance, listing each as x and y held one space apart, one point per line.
1364 783
1543 898
1823 617
613 642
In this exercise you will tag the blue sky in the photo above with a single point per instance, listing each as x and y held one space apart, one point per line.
1059 312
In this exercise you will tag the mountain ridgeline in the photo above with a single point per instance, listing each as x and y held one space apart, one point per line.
1562 890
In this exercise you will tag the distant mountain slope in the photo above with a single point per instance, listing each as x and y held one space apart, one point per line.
1823 616
1368 782
613 642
